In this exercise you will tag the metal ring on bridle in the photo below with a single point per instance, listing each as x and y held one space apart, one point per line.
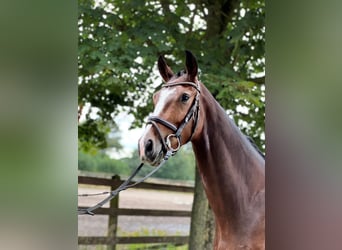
168 142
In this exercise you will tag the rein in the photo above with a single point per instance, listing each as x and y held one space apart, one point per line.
115 192
166 145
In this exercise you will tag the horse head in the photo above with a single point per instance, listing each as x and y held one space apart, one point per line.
174 119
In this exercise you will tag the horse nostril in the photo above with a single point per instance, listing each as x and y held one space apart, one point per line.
149 146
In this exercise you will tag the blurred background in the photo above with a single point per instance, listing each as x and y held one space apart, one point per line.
118 47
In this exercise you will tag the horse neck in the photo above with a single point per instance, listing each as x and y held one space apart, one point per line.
232 171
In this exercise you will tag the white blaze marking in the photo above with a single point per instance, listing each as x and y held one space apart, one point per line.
162 100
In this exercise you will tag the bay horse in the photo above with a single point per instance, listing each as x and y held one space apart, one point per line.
231 169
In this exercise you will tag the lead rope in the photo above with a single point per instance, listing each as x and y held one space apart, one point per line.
122 187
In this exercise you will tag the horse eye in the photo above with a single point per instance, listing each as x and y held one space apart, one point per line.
185 97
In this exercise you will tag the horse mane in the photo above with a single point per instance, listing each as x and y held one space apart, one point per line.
180 73
250 139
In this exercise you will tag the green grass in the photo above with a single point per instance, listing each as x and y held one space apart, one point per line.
141 232
147 232
92 247
137 247
150 247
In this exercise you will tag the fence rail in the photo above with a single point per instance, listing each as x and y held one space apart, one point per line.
114 211
144 185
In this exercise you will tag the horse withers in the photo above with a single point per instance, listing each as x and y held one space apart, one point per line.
232 170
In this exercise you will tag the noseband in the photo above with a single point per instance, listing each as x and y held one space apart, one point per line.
193 112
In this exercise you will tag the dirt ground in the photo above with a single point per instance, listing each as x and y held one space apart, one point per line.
137 198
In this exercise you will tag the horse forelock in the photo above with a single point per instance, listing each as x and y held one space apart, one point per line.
180 73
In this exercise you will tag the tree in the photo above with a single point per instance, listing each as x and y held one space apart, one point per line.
181 167
119 42
202 220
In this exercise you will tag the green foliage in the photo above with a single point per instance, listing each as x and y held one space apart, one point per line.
119 42
95 134
180 167
101 162
92 135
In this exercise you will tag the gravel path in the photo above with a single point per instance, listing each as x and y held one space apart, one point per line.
138 198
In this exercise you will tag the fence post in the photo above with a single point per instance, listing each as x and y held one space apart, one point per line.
113 219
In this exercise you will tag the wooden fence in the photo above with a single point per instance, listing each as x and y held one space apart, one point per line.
114 211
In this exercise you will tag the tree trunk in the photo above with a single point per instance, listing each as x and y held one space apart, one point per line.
202 220
219 14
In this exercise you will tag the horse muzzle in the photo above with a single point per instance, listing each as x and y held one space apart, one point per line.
150 150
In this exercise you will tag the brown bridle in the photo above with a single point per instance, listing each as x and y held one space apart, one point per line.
193 112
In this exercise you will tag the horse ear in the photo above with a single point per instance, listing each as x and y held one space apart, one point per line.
191 66
164 69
